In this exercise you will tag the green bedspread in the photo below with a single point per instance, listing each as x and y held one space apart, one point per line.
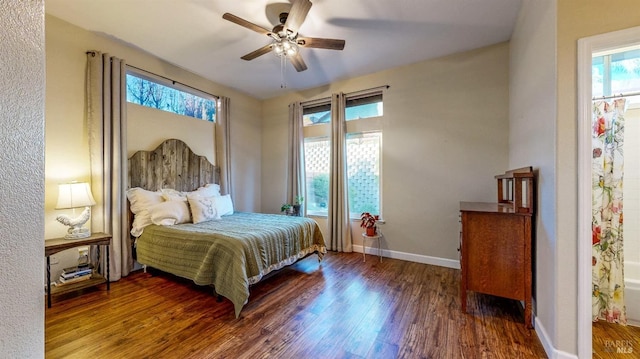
231 253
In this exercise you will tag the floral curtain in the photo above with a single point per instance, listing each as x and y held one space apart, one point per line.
607 173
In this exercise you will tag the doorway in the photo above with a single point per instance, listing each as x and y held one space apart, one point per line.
600 45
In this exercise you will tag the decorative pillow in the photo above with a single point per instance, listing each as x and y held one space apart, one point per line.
224 205
170 213
202 208
208 190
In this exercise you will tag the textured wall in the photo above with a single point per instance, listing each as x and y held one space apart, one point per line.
22 63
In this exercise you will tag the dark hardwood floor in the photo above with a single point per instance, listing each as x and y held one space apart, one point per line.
615 341
341 308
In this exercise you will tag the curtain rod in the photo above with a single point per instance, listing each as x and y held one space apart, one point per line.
93 53
323 99
614 96
173 81
383 87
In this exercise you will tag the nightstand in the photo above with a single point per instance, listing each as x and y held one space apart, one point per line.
53 246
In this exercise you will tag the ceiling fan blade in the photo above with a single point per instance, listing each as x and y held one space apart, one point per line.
320 43
259 52
249 25
298 13
297 62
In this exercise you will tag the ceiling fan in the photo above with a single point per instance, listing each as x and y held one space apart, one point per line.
285 40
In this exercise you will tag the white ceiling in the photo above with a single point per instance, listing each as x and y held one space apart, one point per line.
379 34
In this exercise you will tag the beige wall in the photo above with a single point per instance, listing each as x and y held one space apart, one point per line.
445 131
532 142
67 144
198 134
576 19
22 91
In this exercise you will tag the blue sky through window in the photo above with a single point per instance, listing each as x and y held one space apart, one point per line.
616 73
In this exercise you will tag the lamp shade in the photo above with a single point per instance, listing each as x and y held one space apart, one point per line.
73 195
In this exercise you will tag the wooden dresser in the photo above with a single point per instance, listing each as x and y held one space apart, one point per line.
495 242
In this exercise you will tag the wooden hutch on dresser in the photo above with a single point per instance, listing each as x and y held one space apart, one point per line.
496 242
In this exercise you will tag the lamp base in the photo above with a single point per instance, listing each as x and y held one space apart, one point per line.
77 233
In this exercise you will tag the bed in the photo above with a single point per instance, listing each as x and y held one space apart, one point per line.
231 250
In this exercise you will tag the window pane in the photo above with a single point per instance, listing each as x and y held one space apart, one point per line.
356 108
316 118
625 72
597 76
148 93
316 114
316 162
364 107
363 172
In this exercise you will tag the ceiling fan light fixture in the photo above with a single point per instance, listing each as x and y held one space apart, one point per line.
285 48
290 48
278 49
285 42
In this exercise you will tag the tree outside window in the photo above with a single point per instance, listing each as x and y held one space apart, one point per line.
151 94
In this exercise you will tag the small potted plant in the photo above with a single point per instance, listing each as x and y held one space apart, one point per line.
368 222
286 208
297 204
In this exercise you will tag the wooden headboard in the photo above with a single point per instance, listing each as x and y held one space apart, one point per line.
171 165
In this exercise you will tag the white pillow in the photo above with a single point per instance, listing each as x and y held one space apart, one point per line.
224 205
169 194
140 200
209 190
140 220
170 213
202 208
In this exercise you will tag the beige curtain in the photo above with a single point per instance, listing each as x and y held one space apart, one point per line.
296 180
339 228
106 117
223 144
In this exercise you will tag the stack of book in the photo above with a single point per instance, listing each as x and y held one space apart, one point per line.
75 274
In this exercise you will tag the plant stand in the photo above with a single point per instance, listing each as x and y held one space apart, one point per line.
375 237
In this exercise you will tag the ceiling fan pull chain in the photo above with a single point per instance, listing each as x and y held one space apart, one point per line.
283 71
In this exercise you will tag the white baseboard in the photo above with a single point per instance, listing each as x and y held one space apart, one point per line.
418 258
552 352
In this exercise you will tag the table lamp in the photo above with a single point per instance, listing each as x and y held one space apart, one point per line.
74 195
